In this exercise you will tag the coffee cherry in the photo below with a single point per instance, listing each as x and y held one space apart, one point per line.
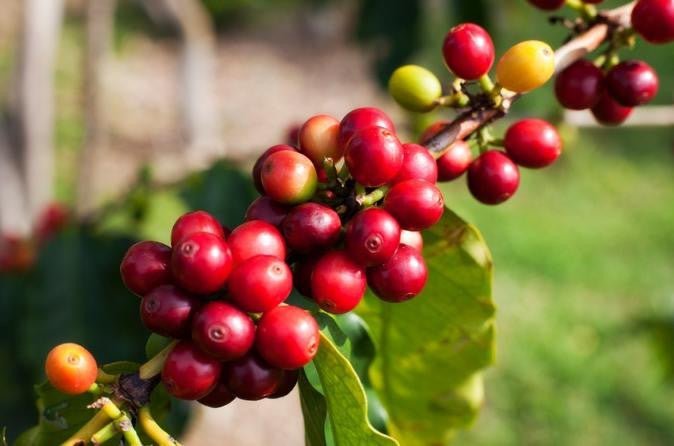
401 278
218 397
255 238
201 263
168 310
287 337
145 266
70 368
193 222
251 378
413 239
188 373
318 139
311 227
257 168
533 143
493 177
302 271
289 177
547 5
374 156
223 331
415 88
432 130
266 209
654 20
609 112
287 384
526 66
360 119
337 283
632 83
372 236
418 163
580 85
416 204
468 51
260 283
455 161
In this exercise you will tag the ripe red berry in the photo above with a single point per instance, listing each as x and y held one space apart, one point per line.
318 139
289 177
201 263
52 219
260 283
168 310
251 378
580 85
266 209
302 271
188 373
547 5
493 177
257 168
654 20
223 331
455 161
533 143
255 238
311 227
287 337
418 164
632 83
145 266
337 283
401 278
374 156
609 112
372 236
412 239
218 397
193 222
468 51
287 384
360 119
416 204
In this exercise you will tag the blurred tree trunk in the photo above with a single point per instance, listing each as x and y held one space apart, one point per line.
100 17
13 213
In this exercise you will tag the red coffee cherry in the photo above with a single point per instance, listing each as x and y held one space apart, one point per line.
372 236
468 51
547 5
223 331
260 283
145 266
533 143
654 20
255 238
193 222
416 204
632 83
257 168
201 263
401 278
302 271
418 164
287 337
167 310
360 119
374 156
218 397
251 378
609 112
286 385
266 209
289 177
337 283
311 227
432 130
580 85
188 373
412 239
455 161
319 139
493 177
71 368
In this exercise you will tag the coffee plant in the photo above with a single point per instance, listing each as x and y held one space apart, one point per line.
349 278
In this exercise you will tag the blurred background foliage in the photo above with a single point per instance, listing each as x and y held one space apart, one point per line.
584 254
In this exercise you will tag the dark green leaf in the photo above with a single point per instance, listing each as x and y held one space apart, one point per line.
119 367
314 412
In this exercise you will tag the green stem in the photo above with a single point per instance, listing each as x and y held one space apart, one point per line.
455 100
486 84
588 12
153 430
124 425
373 197
105 378
96 423
359 189
107 433
343 173
330 170
153 367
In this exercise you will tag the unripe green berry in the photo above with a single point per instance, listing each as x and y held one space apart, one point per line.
415 88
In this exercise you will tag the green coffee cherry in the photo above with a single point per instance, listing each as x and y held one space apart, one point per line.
414 88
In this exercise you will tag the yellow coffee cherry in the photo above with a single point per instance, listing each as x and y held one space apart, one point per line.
414 88
526 66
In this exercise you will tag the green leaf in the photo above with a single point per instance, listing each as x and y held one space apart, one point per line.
314 411
432 348
119 367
